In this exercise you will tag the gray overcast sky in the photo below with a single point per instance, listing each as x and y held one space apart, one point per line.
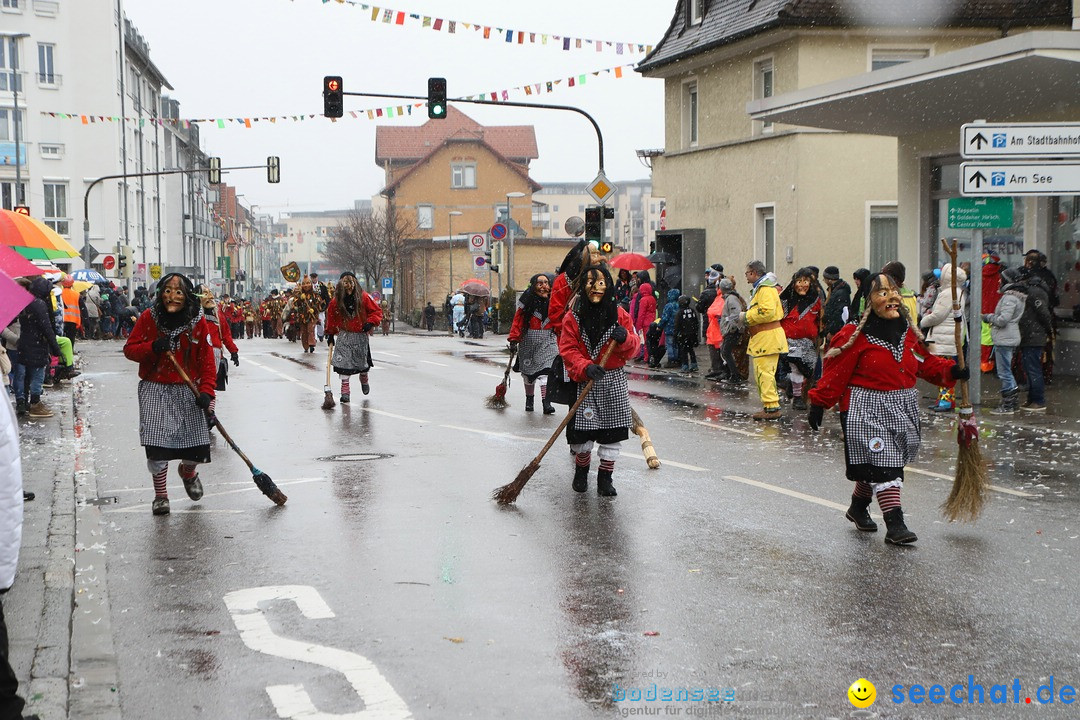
246 58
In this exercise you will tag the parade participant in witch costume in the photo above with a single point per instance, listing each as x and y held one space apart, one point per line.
592 320
305 306
172 420
802 312
563 286
533 339
220 337
870 371
350 320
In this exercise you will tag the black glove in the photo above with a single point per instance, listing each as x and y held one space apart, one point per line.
204 400
960 373
619 335
330 339
815 416
595 372
513 345
235 357
160 345
368 327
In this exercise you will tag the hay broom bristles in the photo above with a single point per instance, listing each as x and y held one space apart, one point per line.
508 493
498 401
968 495
646 442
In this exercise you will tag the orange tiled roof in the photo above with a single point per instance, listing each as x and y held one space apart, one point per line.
395 144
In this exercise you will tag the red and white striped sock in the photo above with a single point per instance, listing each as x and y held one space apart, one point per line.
213 404
543 391
607 465
583 459
187 471
888 499
345 383
863 490
159 482
530 388
363 379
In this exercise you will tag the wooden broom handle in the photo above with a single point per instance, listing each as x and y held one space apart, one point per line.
958 331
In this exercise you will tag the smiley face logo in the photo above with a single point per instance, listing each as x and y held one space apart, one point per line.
862 693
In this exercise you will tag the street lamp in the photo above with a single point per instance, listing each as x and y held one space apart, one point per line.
19 196
510 236
451 215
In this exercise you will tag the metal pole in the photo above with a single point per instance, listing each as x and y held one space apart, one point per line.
510 248
19 197
975 320
450 244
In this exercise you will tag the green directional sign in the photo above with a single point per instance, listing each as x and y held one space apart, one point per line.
980 213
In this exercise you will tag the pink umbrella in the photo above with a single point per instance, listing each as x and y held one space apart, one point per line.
15 265
13 298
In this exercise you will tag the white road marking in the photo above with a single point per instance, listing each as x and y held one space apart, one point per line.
715 426
481 372
249 488
381 702
995 488
785 491
383 352
429 362
418 421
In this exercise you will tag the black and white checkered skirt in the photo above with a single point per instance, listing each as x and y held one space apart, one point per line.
537 350
607 406
882 427
352 353
169 419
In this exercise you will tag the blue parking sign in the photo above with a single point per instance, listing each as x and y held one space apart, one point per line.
387 283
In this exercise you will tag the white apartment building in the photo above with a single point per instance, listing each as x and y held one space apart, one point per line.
637 212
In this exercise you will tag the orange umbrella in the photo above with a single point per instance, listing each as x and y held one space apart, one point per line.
33 239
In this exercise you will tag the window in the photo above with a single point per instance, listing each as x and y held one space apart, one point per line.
881 58
763 87
56 207
7 194
690 113
695 11
554 208
9 4
766 235
46 70
9 64
51 151
463 175
425 217
883 235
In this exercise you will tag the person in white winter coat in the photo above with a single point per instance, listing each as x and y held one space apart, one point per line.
11 518
940 327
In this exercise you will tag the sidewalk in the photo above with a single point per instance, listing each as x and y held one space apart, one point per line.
39 606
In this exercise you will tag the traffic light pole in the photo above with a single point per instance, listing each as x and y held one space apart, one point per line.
86 195
509 103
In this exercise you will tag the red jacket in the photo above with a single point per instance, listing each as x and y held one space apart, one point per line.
646 308
220 334
517 330
368 312
195 355
560 296
576 358
802 326
871 366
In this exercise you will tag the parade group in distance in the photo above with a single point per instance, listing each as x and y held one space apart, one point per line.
812 340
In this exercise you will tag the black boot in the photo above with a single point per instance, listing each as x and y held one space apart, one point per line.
604 485
898 533
581 478
549 409
529 403
858 514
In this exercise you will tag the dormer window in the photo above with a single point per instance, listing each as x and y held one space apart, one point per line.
695 11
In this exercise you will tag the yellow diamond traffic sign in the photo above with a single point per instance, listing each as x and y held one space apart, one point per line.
601 188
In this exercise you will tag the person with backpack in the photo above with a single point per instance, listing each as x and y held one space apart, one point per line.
687 334
667 324
1036 327
733 345
1004 324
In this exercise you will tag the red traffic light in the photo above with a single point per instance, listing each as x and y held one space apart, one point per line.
22 210
333 84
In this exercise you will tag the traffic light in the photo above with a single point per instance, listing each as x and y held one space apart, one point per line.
123 260
487 258
497 255
333 96
594 224
273 169
215 171
607 247
436 98
21 210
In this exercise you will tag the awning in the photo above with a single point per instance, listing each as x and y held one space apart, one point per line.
1024 77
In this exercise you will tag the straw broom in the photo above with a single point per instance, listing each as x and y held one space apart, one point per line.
498 401
646 442
968 495
328 394
508 493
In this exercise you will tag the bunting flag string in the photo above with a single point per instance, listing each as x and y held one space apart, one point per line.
392 111
388 16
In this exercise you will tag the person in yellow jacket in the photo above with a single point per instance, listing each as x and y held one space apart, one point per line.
72 313
767 340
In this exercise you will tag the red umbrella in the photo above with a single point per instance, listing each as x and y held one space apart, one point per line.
15 265
631 261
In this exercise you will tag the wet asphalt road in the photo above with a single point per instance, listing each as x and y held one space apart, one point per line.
391 582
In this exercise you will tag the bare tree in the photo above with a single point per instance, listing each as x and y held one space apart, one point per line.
370 244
